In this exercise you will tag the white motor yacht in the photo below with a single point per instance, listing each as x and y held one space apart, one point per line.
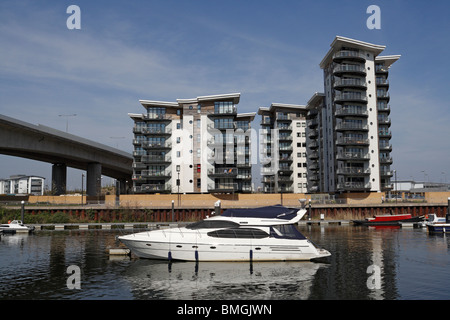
15 226
261 234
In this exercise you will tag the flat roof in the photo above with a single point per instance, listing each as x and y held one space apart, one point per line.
340 42
233 96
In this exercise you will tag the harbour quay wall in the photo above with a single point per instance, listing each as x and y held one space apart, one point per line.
192 207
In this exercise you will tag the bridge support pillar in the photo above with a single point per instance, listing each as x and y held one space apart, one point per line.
59 178
94 179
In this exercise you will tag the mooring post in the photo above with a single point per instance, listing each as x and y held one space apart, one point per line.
173 210
447 216
23 211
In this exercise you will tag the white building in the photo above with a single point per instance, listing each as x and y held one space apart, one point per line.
22 184
192 146
283 148
352 118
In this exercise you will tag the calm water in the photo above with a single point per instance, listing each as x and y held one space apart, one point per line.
413 265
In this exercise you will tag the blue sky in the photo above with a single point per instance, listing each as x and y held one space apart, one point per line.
269 51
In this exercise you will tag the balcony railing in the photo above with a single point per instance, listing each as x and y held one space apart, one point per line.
350 83
222 187
351 112
157 145
156 131
360 97
228 171
352 156
354 186
156 174
352 126
156 159
353 171
158 116
349 69
349 54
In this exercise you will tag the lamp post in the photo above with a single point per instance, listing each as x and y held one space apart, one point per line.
67 119
396 188
82 187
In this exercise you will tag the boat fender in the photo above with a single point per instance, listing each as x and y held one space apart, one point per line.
196 256
251 254
170 256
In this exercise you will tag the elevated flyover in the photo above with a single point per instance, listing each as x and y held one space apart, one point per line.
41 143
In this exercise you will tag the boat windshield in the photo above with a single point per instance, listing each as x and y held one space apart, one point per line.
286 231
210 224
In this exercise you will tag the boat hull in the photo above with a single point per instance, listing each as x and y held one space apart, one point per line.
387 222
203 248
439 228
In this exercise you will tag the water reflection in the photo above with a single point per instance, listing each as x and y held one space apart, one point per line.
413 265
215 280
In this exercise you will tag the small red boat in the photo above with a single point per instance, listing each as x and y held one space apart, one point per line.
389 220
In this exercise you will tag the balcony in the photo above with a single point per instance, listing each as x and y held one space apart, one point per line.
351 112
354 186
382 82
284 128
383 96
286 159
352 142
386 160
350 83
225 111
313 134
312 123
353 171
351 126
314 155
386 173
350 97
313 145
156 159
221 126
156 131
148 174
157 145
285 137
384 120
158 117
349 69
222 187
385 147
380 69
385 134
349 55
223 172
383 107
353 156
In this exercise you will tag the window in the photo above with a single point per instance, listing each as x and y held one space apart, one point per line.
243 233
205 224
178 139
178 154
178 125
199 183
199 123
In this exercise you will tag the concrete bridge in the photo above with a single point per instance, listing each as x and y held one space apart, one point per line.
41 143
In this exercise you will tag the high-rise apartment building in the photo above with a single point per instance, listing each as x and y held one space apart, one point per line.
352 120
283 148
192 146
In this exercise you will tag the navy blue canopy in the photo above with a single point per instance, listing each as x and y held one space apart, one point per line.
269 212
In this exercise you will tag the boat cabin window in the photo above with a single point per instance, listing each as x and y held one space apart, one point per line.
243 233
209 224
286 231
